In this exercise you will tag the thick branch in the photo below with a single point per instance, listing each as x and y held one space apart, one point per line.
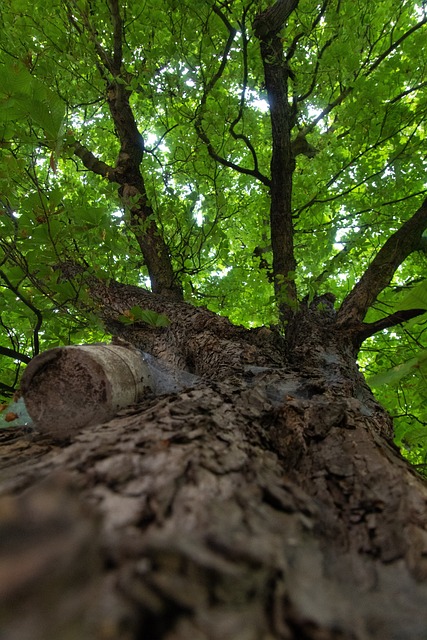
380 272
11 353
276 75
95 165
131 141
117 34
133 196
402 94
370 328
127 172
270 22
147 234
193 331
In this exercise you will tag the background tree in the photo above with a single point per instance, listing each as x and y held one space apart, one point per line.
264 160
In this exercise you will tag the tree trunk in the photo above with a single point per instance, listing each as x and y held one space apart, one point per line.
269 504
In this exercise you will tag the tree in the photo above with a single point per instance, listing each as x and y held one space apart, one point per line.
166 165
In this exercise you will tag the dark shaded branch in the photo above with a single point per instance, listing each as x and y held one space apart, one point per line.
127 171
271 21
394 45
117 35
11 353
198 123
346 92
407 92
239 117
282 116
316 70
37 313
228 163
7 389
411 195
133 194
381 270
95 165
370 328
131 141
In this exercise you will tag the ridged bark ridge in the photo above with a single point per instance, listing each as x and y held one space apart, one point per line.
265 502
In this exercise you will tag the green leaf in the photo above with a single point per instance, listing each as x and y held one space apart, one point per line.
416 298
394 375
138 314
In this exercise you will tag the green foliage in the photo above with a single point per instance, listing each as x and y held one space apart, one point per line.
395 374
137 314
359 83
23 96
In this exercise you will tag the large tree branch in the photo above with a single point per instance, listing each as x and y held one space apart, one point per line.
276 75
380 272
133 195
117 35
271 21
16 355
131 141
370 328
93 163
127 171
192 332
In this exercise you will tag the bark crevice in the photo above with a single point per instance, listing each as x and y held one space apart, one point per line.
267 504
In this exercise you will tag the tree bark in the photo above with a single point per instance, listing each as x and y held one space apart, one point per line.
266 502
282 116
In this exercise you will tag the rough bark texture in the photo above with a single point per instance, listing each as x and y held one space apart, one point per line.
267 504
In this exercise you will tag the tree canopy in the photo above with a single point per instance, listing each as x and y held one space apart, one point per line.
239 154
